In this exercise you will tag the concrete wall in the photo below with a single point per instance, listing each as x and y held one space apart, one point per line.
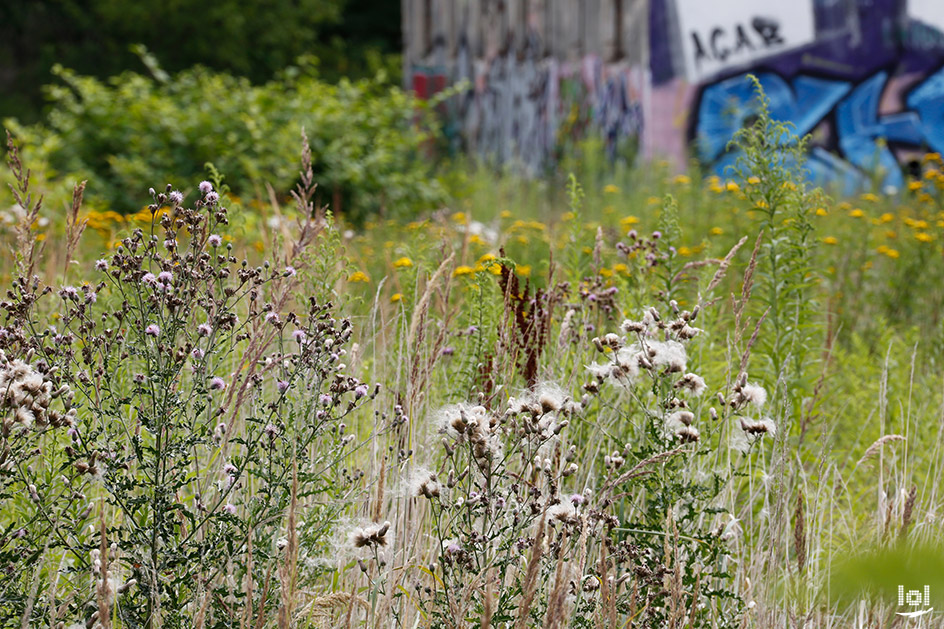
668 78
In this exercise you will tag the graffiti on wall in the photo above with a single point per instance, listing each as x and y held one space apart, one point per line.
520 110
863 77
868 87
862 139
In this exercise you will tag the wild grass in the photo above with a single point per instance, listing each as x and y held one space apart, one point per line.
636 400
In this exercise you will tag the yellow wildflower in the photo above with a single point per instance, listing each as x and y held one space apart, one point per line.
821 211
887 217
605 272
395 298
475 239
611 189
463 270
619 267
524 270
459 217
653 201
402 263
505 214
924 237
732 186
753 180
716 231
893 254
914 186
857 213
831 240
682 180
891 234
869 197
358 276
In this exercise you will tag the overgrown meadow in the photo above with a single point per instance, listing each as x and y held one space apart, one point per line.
627 399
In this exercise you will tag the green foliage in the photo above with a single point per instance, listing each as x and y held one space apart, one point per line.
253 40
773 158
366 139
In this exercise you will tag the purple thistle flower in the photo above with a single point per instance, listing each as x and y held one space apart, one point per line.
165 276
138 378
360 391
212 198
149 278
69 292
272 317
214 240
230 508
229 468
282 386
101 264
170 244
152 330
656 235
271 431
325 398
197 353
217 384
299 336
204 329
176 197
205 187
290 271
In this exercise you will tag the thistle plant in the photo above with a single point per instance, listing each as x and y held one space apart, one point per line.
201 408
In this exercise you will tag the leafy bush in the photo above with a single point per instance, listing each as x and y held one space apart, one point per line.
366 138
92 36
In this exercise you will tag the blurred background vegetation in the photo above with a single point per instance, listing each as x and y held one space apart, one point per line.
341 38
127 95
